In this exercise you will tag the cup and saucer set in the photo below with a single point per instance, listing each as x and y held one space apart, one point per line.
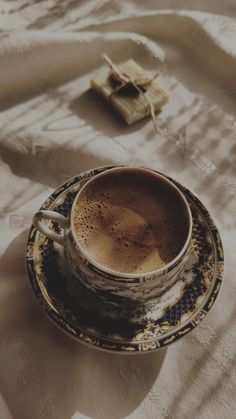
128 306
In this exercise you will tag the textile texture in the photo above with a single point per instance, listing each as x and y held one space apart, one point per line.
53 127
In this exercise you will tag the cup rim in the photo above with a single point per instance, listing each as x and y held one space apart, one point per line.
128 275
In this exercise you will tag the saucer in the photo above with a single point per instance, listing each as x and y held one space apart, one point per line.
134 329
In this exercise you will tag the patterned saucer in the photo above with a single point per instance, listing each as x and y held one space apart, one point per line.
134 329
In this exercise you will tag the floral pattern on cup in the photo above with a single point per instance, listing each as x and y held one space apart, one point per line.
112 286
130 330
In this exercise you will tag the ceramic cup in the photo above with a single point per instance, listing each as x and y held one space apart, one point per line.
109 285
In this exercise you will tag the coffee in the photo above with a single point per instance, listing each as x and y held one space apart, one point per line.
130 221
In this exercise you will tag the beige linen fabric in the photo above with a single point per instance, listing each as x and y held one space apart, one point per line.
52 127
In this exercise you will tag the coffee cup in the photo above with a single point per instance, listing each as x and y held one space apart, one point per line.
128 235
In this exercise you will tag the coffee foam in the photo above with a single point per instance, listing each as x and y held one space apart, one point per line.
130 221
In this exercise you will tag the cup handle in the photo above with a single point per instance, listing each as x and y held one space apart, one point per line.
54 216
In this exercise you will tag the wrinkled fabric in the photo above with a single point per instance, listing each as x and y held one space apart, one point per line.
53 127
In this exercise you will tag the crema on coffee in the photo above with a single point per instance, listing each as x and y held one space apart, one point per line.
130 221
